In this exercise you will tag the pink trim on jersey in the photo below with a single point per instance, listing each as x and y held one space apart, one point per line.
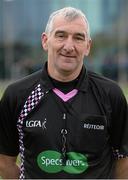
65 97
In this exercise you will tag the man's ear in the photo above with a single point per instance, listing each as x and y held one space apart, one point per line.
44 39
87 50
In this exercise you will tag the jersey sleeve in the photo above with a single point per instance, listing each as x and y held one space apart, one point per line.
119 129
8 131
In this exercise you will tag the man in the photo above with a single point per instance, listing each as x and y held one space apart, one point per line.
64 121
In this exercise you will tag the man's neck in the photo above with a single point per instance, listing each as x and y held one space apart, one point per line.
63 76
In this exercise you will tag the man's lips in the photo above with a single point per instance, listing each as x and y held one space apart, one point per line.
68 56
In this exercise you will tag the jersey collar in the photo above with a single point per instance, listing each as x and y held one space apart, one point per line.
47 85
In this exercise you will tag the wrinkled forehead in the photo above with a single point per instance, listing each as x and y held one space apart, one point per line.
65 22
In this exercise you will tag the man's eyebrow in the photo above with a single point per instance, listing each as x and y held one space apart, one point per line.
76 34
59 31
80 34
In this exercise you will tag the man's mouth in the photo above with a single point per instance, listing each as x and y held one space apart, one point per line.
67 56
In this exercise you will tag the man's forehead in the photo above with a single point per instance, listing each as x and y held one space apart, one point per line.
62 24
61 20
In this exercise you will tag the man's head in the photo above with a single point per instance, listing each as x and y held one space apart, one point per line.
67 41
69 13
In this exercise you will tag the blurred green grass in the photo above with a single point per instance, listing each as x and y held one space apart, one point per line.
125 90
1 92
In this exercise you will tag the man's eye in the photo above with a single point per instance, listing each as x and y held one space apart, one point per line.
60 36
79 38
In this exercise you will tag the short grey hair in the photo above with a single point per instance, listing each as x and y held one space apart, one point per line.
68 13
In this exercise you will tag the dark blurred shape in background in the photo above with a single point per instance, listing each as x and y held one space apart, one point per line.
23 21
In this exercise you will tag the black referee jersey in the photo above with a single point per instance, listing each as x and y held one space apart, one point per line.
78 137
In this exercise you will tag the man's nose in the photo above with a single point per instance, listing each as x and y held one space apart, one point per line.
69 45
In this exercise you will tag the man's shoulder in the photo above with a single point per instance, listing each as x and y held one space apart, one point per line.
98 78
23 87
27 81
104 84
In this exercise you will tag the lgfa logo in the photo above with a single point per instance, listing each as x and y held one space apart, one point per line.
36 123
51 162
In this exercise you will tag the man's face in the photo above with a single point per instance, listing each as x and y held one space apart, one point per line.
67 45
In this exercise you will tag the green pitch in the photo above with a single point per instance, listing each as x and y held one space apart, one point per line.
1 92
125 90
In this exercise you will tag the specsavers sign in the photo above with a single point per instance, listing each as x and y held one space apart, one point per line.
51 162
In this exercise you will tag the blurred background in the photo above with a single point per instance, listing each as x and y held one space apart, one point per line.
23 21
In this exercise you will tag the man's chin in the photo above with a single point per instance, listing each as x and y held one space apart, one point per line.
67 69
